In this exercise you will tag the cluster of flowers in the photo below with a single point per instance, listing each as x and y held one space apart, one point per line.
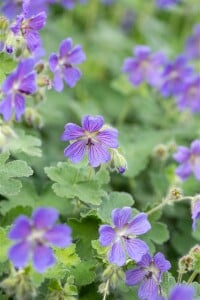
170 78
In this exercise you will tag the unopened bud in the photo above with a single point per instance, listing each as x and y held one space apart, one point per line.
161 152
175 193
33 118
118 161
186 263
103 289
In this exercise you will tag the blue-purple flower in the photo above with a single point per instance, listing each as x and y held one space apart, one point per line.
192 47
69 4
62 65
195 206
174 77
182 292
11 8
144 66
166 3
189 158
17 85
92 138
35 236
122 238
148 273
28 26
189 98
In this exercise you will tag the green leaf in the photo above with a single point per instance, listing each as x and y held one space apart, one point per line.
168 281
5 244
159 233
72 183
122 85
7 65
112 201
10 170
67 256
84 274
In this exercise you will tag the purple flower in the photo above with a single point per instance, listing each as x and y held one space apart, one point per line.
182 292
192 47
174 77
29 26
148 272
11 8
189 158
34 236
195 211
122 238
92 138
69 4
166 3
144 66
17 85
62 65
189 98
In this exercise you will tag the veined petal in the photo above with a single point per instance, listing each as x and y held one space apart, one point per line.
107 235
38 21
139 225
72 132
71 76
59 235
161 263
76 56
43 258
21 228
97 155
121 216
58 81
28 84
133 277
76 151
92 123
136 248
65 47
19 254
44 217
148 290
53 62
145 261
108 137
6 108
117 254
33 39
19 103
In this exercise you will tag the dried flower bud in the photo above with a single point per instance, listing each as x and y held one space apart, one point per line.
175 193
161 152
186 263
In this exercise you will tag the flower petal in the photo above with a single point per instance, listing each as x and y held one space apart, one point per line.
21 228
53 62
182 155
59 235
148 290
139 225
72 132
76 151
6 108
28 84
117 254
98 155
108 137
107 235
71 76
136 248
58 84
65 47
76 56
44 217
184 171
19 254
161 263
182 292
92 123
19 106
43 258
121 216
145 261
133 277
38 21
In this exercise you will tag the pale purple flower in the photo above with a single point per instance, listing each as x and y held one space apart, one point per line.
122 237
35 236
174 76
195 205
28 27
62 65
148 273
11 8
69 4
17 85
166 3
93 138
182 292
189 158
189 98
192 47
144 66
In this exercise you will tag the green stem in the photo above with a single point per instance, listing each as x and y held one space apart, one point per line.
192 277
180 275
106 290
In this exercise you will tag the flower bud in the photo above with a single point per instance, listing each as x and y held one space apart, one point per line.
118 161
186 263
175 193
33 118
161 152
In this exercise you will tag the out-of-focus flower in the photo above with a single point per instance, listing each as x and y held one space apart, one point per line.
17 85
166 3
192 47
148 272
93 138
62 65
69 4
11 8
189 98
174 76
34 236
182 292
145 66
122 238
195 206
189 158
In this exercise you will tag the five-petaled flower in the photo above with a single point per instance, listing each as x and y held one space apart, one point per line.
122 238
148 272
17 85
34 236
93 138
62 65
189 158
